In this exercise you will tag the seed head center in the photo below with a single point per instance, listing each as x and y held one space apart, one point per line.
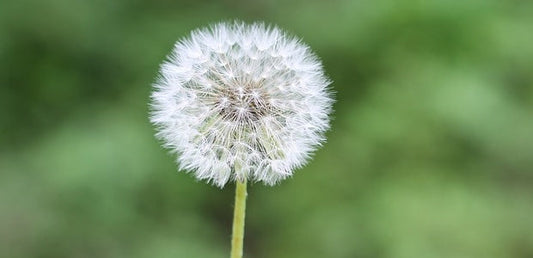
243 103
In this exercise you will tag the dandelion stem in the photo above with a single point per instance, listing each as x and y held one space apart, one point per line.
238 219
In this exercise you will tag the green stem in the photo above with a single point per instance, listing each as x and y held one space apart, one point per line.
238 220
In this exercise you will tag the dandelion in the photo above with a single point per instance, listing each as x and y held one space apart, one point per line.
241 102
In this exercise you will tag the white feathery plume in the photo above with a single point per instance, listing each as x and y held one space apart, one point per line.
240 101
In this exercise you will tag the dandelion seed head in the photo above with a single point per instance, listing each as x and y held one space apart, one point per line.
241 101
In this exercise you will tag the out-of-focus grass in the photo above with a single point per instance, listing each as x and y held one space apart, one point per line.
430 155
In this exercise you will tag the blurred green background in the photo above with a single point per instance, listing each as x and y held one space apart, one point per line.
430 152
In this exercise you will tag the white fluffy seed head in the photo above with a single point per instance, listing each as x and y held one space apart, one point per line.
238 101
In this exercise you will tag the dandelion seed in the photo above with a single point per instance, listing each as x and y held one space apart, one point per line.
241 102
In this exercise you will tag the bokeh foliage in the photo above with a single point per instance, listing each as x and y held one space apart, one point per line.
430 155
